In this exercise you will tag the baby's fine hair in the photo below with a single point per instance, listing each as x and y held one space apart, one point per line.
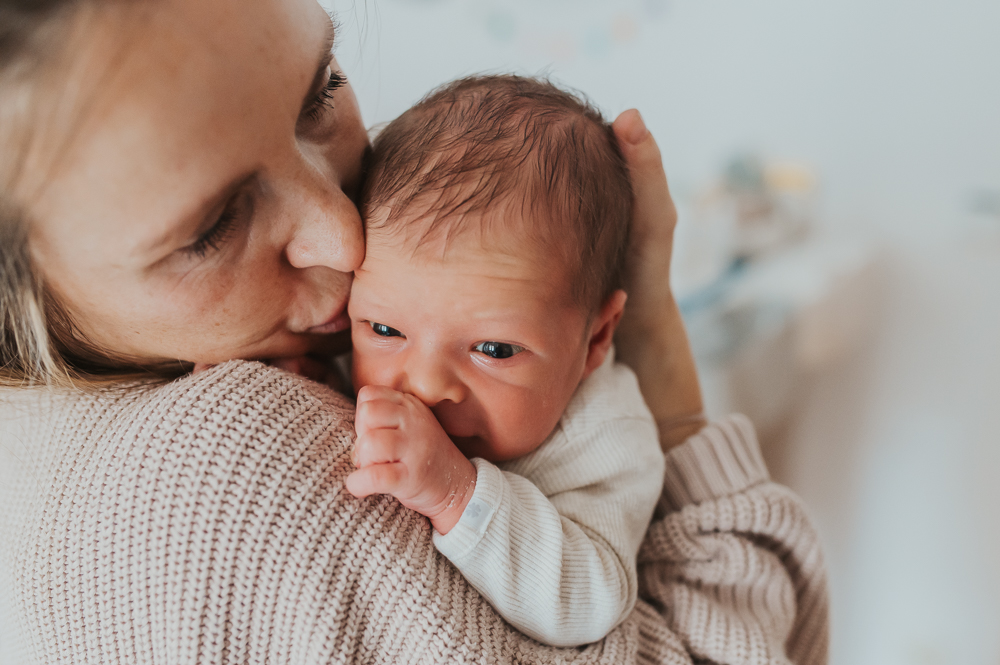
521 158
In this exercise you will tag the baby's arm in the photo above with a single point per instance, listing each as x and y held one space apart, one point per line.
559 568
556 559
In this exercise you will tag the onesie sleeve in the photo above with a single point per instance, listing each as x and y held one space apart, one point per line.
551 541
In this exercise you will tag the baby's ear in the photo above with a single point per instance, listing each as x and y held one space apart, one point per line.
602 330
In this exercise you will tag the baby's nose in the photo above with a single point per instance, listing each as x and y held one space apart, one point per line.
433 382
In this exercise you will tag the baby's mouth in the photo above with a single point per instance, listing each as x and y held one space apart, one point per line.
461 427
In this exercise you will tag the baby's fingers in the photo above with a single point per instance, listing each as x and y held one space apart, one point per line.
378 407
372 392
376 479
378 446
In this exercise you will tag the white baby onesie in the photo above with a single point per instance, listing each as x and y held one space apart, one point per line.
551 538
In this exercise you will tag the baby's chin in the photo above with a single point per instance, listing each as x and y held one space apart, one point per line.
474 446
477 446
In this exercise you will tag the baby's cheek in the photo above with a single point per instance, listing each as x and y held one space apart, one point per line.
361 363
522 423
371 368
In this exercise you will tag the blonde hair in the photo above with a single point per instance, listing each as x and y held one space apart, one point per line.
39 345
26 353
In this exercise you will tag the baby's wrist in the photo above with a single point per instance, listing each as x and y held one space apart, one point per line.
459 495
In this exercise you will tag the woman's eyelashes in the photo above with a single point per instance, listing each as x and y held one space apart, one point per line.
498 350
383 330
322 99
221 230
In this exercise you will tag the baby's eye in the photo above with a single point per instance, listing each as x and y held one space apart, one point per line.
498 350
384 330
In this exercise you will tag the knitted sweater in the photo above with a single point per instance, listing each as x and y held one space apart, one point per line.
205 521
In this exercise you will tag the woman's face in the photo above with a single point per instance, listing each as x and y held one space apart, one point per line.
200 208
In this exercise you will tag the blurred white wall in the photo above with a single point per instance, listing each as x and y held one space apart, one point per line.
896 106
896 103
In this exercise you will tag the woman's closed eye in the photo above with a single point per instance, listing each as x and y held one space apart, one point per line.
498 350
237 211
383 330
322 99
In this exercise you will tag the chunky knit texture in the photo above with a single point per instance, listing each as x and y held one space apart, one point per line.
205 521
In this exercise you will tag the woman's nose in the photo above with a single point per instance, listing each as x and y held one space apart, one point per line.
327 227
431 380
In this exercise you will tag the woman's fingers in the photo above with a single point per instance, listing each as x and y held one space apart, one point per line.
653 214
651 338
654 208
375 479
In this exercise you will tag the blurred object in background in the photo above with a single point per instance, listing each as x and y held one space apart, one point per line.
751 210
772 206
987 202
563 31
985 206
780 321
768 298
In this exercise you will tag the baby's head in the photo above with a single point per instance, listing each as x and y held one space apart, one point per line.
497 213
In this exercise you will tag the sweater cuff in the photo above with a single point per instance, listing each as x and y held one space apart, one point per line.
724 458
465 536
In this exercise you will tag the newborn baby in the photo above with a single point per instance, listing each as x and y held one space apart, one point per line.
497 214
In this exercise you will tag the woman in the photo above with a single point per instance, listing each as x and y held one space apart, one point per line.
178 182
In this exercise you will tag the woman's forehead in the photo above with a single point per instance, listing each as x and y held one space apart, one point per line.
166 104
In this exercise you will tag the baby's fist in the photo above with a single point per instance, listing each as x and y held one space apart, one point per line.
402 450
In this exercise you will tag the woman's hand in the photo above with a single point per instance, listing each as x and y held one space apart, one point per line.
651 338
402 450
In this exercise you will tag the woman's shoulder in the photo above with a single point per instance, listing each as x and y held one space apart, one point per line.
238 402
234 436
241 399
246 387
215 498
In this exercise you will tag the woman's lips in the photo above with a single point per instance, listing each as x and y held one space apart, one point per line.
340 322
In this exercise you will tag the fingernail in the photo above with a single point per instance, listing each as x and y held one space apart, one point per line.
637 133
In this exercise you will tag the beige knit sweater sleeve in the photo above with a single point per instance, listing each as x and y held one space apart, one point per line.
206 522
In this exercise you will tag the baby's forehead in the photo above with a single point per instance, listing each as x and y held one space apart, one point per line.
432 227
504 249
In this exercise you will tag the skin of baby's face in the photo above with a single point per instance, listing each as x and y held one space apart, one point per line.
437 323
